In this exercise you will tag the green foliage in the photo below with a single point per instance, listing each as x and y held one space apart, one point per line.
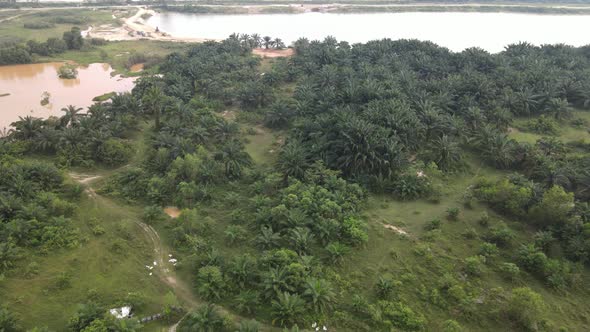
8 322
211 283
287 309
526 307
401 316
206 318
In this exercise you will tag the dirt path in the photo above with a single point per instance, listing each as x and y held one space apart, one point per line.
12 17
163 269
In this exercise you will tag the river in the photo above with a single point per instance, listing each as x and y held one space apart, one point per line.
26 84
456 31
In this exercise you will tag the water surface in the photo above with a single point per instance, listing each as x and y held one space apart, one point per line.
457 31
27 83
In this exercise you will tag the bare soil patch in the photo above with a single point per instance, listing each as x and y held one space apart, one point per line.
273 53
172 211
396 229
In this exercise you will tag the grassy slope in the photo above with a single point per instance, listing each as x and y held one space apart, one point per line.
94 267
567 132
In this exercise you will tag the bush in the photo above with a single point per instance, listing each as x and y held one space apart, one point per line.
451 326
526 308
543 125
474 265
38 25
399 315
510 270
453 213
115 151
67 72
488 250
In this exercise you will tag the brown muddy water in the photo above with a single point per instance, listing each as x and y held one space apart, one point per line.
26 85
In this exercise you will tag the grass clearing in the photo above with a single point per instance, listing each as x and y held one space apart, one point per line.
108 266
567 132
263 145
14 29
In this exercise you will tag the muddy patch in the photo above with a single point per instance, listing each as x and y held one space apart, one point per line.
172 211
136 68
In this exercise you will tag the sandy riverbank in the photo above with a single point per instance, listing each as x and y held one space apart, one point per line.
135 28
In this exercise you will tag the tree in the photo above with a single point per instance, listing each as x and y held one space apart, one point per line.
247 301
300 238
210 281
446 152
234 158
267 42
249 326
287 309
71 117
73 38
526 307
275 282
292 161
554 208
319 292
26 128
267 239
153 100
8 322
206 318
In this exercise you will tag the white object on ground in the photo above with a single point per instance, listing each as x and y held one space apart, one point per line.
122 312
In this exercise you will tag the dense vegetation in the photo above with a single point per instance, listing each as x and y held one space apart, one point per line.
15 53
401 119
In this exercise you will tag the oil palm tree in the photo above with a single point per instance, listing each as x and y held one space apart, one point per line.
153 100
234 158
71 117
301 238
275 282
267 239
27 127
205 319
320 294
267 42
445 152
287 308
292 161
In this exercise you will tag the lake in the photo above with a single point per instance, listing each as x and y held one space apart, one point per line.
27 83
457 31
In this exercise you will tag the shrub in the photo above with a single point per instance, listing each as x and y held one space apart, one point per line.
399 315
453 213
474 265
67 72
488 250
115 151
543 125
451 326
526 307
38 25
510 270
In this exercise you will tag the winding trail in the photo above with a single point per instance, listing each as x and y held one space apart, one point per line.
164 269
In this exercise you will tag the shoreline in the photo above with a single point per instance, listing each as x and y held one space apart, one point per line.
136 27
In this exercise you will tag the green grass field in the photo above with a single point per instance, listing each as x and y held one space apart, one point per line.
566 131
109 267
14 29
